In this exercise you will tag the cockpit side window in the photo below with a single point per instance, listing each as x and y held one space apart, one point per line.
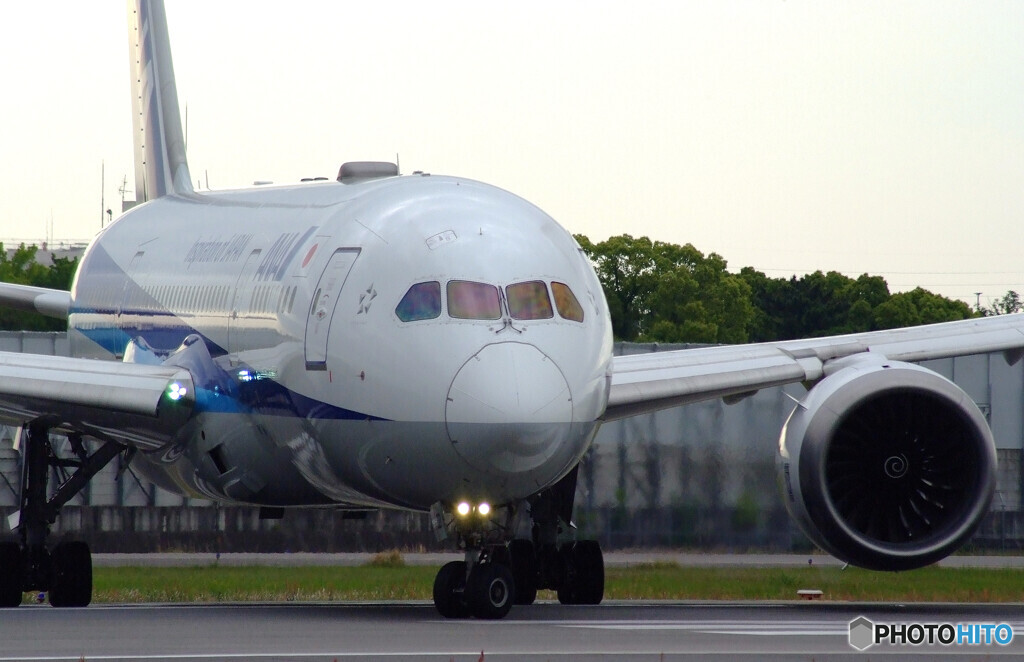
421 302
470 300
529 301
566 303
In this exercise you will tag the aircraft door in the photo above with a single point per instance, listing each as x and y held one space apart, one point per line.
321 310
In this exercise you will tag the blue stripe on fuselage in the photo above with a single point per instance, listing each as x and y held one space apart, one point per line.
101 280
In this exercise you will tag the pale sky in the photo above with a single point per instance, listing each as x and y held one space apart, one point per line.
881 137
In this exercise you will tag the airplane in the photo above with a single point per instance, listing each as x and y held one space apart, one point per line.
435 344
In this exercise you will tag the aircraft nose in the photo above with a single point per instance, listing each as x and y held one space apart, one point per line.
508 409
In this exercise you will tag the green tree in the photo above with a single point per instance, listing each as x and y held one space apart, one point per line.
696 299
919 306
816 304
896 312
22 268
664 292
824 303
61 274
1008 304
772 303
625 267
830 303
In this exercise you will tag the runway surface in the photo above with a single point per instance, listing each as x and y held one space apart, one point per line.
414 631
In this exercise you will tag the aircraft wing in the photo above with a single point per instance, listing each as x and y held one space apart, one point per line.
139 405
644 383
52 303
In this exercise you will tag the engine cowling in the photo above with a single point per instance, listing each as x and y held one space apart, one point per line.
887 465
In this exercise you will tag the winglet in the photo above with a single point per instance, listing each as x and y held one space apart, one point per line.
160 165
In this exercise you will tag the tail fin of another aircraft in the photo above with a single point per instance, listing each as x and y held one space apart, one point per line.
160 165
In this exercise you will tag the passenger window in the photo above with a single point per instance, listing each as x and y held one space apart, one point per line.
529 301
473 301
566 303
421 302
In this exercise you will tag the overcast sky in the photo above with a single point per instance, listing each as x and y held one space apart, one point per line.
881 137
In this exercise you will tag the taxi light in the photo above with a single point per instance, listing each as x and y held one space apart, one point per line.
463 509
484 509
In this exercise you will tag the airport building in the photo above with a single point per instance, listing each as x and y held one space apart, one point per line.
697 476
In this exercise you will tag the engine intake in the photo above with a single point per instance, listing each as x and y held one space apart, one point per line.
888 466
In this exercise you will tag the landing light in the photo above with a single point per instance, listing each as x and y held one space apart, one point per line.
465 508
176 391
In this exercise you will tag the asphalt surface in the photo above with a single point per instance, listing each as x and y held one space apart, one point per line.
414 631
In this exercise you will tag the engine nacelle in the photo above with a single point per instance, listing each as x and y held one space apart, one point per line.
887 465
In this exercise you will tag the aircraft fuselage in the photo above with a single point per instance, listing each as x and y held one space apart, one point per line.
394 342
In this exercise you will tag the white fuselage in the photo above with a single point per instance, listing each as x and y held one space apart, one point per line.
320 378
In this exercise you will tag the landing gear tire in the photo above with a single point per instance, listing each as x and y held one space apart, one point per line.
72 575
490 591
523 563
10 574
450 589
584 574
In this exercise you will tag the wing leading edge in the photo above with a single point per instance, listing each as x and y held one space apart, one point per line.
644 383
134 404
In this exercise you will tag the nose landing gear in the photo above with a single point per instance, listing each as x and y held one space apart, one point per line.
483 587
450 590
497 574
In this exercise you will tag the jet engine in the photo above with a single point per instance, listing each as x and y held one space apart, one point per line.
887 465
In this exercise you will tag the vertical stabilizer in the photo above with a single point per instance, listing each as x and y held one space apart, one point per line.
160 165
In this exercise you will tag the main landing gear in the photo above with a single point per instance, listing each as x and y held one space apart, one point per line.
575 570
27 564
497 574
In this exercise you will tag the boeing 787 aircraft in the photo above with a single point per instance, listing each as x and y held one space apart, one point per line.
435 344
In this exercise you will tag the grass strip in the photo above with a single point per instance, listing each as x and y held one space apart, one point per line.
661 581
931 584
260 583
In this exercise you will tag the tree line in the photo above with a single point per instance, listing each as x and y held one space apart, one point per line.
663 292
21 267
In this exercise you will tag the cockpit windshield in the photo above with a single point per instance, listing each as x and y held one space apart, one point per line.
421 302
568 306
529 301
470 300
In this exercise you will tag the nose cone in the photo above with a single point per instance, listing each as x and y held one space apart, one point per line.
509 409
